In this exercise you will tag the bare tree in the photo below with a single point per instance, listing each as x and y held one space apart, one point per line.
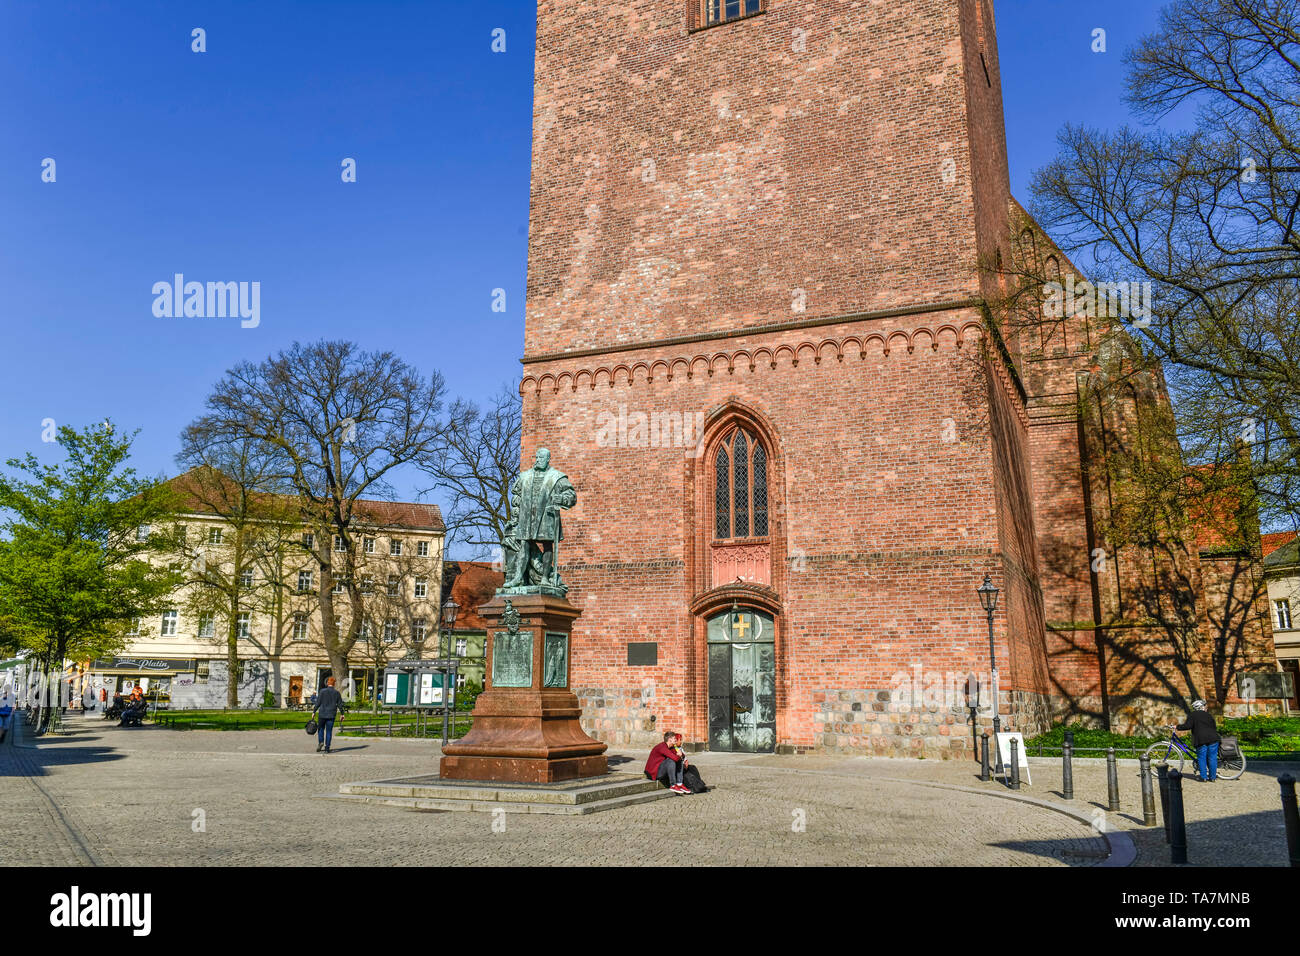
1207 215
337 421
233 567
474 466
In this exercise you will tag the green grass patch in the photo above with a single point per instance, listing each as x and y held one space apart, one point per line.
272 719
1262 737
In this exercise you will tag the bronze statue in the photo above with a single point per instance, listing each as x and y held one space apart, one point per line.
536 499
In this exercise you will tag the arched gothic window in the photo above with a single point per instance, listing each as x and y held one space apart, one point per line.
740 488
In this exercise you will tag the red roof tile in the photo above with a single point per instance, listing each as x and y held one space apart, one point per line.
1275 539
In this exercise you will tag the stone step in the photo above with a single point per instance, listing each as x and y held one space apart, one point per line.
431 792
515 806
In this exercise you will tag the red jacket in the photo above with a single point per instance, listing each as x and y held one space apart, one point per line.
661 753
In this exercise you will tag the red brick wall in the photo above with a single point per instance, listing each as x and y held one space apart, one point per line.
700 202
773 169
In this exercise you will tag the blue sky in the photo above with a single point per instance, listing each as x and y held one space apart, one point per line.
225 166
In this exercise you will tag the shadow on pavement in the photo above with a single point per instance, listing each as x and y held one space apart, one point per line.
1080 852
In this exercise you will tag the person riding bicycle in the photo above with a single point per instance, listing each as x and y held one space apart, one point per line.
1205 738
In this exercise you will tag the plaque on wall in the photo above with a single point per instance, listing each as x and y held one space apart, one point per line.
512 659
643 654
556 652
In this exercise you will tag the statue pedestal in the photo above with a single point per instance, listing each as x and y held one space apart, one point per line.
526 727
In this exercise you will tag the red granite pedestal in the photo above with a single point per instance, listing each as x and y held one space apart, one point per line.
526 734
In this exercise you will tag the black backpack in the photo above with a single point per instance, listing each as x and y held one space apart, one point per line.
692 781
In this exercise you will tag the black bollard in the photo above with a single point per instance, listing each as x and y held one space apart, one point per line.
1177 825
1015 764
1291 816
1148 793
1067 771
984 759
1162 777
1112 780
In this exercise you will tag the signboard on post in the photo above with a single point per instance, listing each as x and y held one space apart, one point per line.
1004 755
432 687
397 689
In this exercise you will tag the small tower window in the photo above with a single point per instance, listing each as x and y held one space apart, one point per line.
710 13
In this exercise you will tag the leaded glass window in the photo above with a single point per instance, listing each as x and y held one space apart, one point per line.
722 495
740 488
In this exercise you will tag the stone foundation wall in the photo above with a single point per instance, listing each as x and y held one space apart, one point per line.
874 722
620 716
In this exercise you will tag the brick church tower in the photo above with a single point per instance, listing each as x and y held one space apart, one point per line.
754 341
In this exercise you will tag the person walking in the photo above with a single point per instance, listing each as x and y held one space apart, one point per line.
328 704
8 700
1205 738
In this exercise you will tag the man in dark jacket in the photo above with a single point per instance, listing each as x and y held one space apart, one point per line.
328 705
1205 738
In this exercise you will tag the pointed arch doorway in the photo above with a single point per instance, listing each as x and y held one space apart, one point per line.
742 681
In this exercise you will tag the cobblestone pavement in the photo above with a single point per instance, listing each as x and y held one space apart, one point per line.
117 796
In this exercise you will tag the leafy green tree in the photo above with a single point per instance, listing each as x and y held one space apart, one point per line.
74 560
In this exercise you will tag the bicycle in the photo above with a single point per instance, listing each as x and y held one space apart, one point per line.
1230 768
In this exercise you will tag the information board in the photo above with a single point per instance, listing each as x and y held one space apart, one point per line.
1004 755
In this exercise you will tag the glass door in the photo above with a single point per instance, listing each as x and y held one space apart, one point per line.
742 682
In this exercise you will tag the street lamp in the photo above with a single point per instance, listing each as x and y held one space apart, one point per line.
988 593
449 609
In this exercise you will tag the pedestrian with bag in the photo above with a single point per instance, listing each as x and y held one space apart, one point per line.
328 704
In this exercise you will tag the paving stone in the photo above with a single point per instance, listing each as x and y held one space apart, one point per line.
119 796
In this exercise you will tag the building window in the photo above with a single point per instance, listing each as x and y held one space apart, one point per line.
182 535
201 672
367 584
338 543
395 547
460 681
300 626
462 647
390 630
308 541
421 587
740 488
417 629
394 585
365 632
1283 614
244 624
304 582
422 549
207 626
246 578
369 545
708 13
338 586
133 630
214 536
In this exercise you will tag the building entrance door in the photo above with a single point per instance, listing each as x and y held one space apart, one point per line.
295 690
742 682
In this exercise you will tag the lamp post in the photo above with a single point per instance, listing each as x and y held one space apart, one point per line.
988 593
448 615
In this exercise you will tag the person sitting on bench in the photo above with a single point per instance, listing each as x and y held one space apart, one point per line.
666 764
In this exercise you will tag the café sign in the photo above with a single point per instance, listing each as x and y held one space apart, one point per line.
143 664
